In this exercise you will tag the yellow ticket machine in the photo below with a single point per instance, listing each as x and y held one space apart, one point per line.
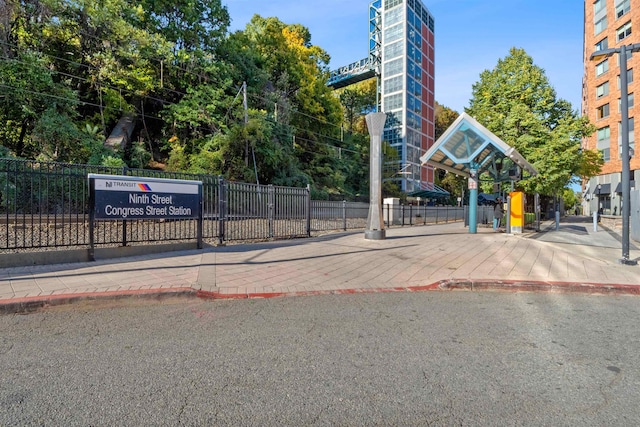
517 211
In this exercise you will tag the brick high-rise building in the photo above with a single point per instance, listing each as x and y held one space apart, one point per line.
609 24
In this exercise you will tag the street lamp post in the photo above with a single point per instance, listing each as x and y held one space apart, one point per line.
624 125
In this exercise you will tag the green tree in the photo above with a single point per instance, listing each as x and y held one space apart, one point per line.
444 118
516 102
93 64
193 27
570 198
296 72
357 100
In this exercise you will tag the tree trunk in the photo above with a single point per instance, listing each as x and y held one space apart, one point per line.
23 134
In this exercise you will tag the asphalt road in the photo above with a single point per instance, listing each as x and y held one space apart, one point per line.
433 358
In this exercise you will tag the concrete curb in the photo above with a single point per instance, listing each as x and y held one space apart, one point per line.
34 304
536 286
454 285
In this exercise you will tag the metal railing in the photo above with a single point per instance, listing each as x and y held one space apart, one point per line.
46 205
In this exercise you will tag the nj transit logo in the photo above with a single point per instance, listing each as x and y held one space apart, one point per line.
128 184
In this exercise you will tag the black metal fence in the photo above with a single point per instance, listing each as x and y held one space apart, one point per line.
46 205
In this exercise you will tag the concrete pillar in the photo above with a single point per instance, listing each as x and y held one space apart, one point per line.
375 222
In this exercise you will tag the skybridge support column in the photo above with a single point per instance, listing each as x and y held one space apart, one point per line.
473 201
375 224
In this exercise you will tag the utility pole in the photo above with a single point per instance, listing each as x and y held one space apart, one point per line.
246 140
246 120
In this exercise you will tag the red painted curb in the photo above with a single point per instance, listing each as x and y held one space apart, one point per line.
32 304
452 285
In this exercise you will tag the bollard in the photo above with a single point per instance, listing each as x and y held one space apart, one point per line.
595 221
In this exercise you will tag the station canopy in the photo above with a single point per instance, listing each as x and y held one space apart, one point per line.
467 145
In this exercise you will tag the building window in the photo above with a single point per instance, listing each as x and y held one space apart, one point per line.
388 4
413 35
414 87
394 102
602 112
394 33
418 41
393 84
624 31
604 135
602 90
601 25
629 102
411 17
394 120
598 5
393 50
623 8
417 56
414 104
629 77
414 121
604 142
602 67
393 136
393 67
414 70
602 44
631 132
393 16
413 155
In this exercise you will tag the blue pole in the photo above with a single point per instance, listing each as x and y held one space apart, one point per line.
473 202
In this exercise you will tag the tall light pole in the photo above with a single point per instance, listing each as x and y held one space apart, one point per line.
624 125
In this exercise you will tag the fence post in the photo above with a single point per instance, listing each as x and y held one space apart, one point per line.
402 213
92 203
387 206
437 211
222 197
344 215
125 172
270 205
124 232
410 214
308 195
424 214
200 223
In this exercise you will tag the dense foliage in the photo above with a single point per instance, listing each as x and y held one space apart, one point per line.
69 71
516 102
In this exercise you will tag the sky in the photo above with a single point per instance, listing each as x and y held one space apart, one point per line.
469 38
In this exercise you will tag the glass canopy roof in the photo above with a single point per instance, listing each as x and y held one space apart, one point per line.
467 145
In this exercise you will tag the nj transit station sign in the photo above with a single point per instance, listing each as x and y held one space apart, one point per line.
128 198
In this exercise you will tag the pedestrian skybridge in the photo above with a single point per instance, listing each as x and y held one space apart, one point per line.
352 73
468 146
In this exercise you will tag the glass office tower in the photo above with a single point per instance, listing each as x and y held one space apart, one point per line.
402 43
